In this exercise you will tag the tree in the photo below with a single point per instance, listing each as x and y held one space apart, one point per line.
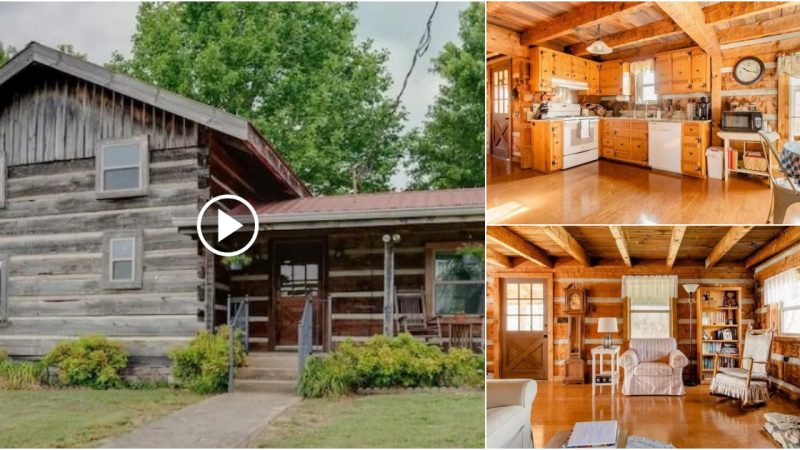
449 150
70 50
294 69
6 53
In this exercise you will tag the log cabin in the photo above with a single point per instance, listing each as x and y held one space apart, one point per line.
99 172
627 124
579 277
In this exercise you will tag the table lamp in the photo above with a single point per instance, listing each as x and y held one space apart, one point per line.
607 325
691 289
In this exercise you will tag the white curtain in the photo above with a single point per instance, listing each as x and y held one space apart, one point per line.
650 289
642 66
790 64
782 288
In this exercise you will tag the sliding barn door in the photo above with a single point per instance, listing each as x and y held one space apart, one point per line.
524 328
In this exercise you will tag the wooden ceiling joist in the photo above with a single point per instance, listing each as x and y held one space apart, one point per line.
675 244
769 27
561 236
515 244
689 16
636 36
585 15
649 50
505 41
731 238
622 245
781 242
725 11
496 259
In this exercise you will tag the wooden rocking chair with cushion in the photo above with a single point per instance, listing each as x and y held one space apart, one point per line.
750 381
410 315
784 191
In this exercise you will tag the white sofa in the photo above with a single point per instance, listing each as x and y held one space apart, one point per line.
508 413
653 367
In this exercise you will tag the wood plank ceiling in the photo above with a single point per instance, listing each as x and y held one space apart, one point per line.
651 26
708 245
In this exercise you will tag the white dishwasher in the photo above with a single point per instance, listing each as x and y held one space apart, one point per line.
664 146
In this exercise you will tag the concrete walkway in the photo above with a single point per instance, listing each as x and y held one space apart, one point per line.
222 421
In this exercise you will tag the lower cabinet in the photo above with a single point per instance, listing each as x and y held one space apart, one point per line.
624 140
694 142
548 145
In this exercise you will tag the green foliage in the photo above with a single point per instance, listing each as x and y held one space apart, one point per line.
6 53
294 69
203 366
449 151
21 375
3 354
388 362
92 361
70 50
243 260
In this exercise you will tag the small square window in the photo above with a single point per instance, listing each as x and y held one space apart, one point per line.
123 168
122 259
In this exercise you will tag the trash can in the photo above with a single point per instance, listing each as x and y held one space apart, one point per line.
714 161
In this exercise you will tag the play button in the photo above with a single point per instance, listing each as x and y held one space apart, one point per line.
226 225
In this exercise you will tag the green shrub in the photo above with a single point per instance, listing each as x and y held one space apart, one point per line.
22 375
203 365
92 361
3 354
388 362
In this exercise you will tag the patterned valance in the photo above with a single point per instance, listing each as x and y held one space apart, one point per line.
650 289
789 64
642 66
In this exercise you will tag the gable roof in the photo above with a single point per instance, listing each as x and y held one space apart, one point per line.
201 113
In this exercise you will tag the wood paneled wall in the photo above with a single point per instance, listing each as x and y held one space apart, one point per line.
603 284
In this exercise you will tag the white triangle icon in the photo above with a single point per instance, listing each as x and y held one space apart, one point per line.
226 225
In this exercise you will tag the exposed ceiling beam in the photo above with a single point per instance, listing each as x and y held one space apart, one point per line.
563 239
781 242
586 15
635 36
648 50
505 41
515 244
731 238
725 11
675 244
770 27
622 245
690 17
497 259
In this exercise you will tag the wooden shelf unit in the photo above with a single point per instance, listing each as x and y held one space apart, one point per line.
733 320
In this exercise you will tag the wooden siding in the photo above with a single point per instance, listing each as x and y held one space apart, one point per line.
603 284
52 229
60 118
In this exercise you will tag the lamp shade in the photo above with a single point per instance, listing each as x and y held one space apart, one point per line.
599 47
607 325
691 288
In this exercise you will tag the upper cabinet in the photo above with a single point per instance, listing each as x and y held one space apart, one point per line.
682 71
547 64
613 76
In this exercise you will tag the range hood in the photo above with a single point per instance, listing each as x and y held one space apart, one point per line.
570 84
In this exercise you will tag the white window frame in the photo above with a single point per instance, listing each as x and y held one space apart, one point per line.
519 315
108 259
781 310
632 313
144 168
3 179
640 89
432 282
4 269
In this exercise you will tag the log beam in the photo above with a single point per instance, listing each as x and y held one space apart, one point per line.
498 259
784 240
622 245
731 238
675 244
764 28
504 41
689 16
636 36
586 15
648 50
514 243
563 239
725 11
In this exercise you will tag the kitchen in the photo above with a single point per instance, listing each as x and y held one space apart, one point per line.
624 115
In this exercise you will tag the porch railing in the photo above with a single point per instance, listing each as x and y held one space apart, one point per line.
239 321
305 332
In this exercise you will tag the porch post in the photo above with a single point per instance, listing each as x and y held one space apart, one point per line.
388 283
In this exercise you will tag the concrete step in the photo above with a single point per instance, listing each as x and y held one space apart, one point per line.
266 373
281 386
272 360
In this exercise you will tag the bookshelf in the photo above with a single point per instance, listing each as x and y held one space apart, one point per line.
719 328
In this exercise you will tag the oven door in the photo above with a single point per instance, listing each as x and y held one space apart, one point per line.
580 135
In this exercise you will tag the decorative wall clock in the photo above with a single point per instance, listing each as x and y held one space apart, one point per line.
748 70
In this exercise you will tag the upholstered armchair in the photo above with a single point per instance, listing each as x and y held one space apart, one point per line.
508 413
653 367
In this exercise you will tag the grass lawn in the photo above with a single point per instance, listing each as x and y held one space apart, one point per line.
80 418
410 420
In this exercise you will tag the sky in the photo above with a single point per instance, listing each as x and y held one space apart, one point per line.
98 29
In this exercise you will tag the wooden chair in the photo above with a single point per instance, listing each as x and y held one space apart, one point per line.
410 315
750 381
784 191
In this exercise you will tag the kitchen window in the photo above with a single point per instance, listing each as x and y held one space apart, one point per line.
646 87
122 259
4 268
783 291
650 304
123 168
458 282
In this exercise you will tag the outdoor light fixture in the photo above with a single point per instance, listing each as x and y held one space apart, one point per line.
691 289
396 238
607 325
387 238
598 47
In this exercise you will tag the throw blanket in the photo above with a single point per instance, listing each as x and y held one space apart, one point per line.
784 428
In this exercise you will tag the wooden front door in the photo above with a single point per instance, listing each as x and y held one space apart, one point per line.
500 88
524 328
298 269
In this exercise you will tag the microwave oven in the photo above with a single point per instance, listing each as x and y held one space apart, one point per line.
747 121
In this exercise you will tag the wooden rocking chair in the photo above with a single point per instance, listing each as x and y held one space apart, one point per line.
410 315
750 381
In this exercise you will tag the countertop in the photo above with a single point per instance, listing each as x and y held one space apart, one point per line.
556 119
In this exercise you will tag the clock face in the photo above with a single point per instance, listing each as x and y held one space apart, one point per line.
748 70
575 301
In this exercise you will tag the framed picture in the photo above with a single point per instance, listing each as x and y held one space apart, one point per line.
727 334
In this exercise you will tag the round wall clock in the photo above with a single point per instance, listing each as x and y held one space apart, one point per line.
748 70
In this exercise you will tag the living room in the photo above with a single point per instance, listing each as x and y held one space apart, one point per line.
645 326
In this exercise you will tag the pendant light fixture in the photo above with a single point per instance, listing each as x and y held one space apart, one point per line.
598 47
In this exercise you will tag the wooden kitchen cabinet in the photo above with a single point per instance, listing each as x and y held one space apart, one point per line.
701 71
663 69
548 145
694 142
624 140
580 69
562 67
547 64
611 78
593 77
683 71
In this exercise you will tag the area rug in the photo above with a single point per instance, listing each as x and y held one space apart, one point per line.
643 442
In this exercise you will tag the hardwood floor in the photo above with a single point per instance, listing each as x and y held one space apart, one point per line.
696 420
606 192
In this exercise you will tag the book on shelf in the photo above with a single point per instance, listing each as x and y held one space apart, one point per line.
715 318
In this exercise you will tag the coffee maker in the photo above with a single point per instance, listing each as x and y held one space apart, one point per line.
703 109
